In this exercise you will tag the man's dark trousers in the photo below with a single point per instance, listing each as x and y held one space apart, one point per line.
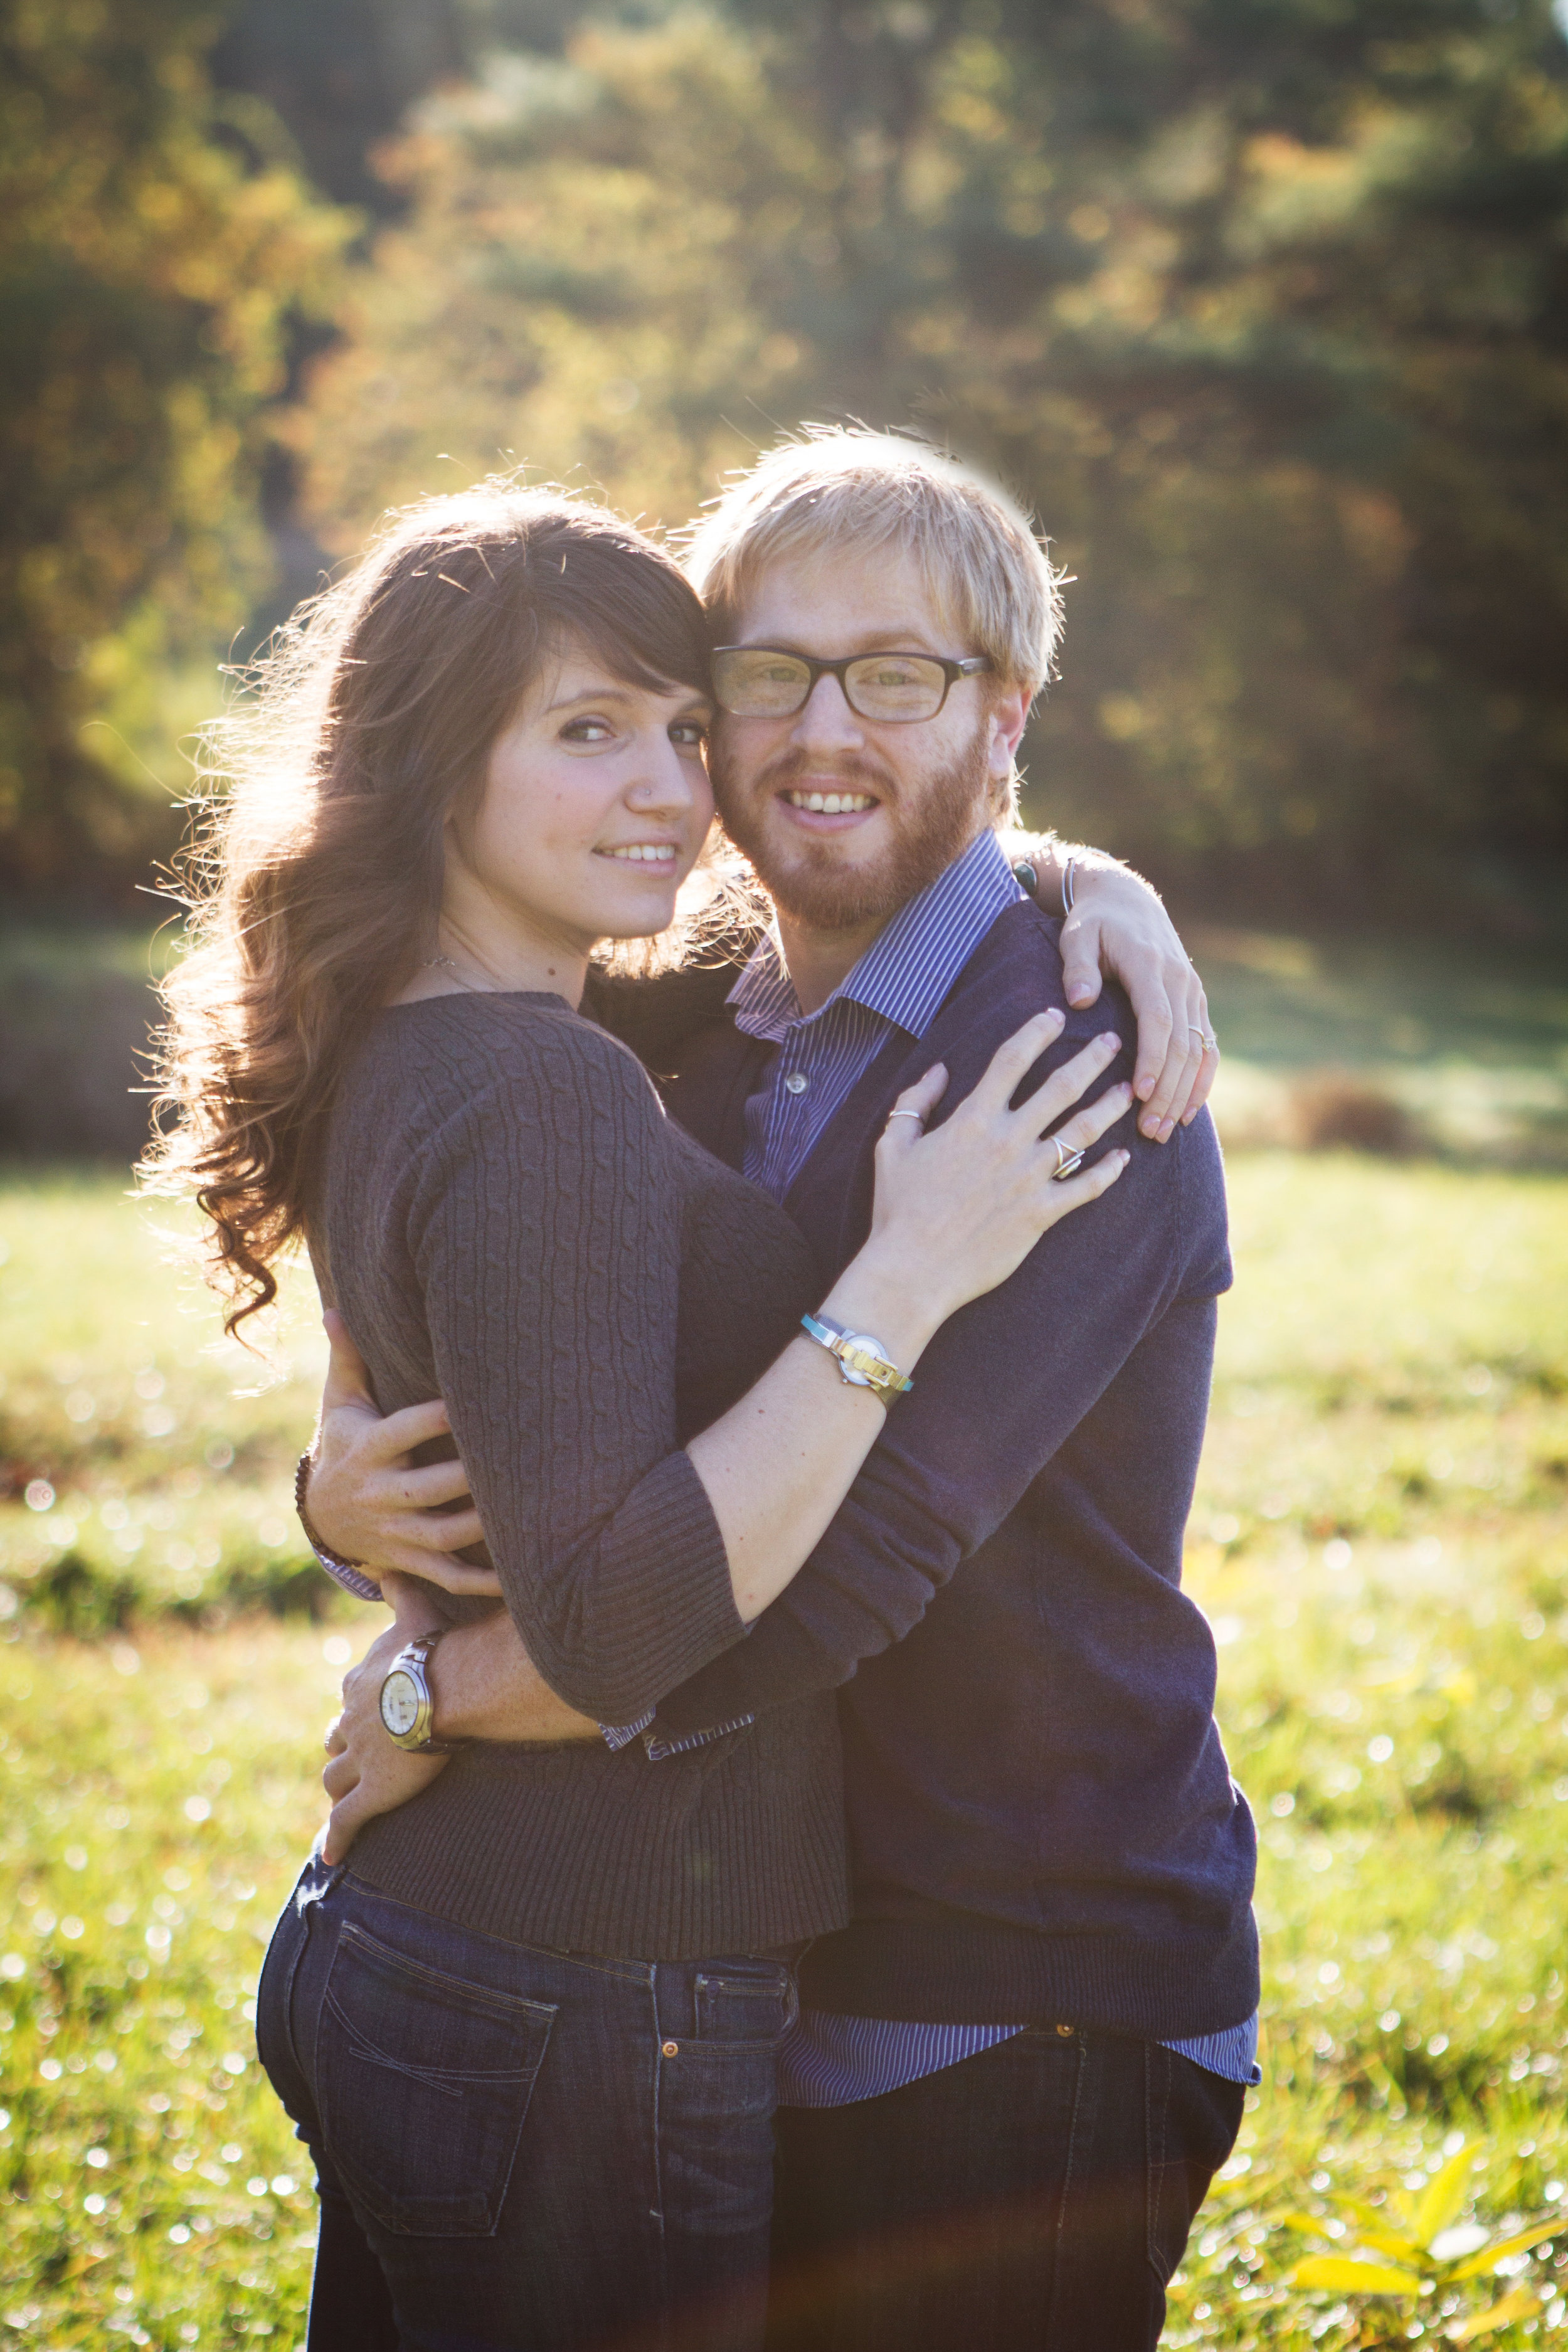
1036 2198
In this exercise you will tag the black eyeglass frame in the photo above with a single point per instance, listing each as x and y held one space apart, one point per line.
952 672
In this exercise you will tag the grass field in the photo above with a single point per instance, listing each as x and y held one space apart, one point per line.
1380 1538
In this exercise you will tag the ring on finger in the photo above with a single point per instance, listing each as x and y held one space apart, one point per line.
1069 1161
918 1116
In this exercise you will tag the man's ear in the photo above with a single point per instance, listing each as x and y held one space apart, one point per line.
1009 716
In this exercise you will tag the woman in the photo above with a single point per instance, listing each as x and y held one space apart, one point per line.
530 2037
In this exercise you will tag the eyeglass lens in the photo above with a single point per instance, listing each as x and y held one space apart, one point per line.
765 685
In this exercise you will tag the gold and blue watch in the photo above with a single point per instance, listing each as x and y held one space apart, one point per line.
862 1360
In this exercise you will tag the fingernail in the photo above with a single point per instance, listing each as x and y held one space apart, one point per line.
1079 994
1167 1128
1149 1127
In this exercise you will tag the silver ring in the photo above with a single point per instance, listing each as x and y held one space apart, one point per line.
918 1116
1068 1162
1210 1040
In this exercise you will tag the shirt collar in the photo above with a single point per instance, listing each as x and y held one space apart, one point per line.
909 968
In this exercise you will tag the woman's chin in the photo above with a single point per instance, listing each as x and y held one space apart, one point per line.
644 923
640 910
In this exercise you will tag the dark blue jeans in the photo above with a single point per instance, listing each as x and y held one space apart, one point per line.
1036 2198
522 2150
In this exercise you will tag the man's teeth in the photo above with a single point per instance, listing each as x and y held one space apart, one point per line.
647 853
832 803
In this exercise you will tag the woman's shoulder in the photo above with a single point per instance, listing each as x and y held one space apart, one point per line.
459 1055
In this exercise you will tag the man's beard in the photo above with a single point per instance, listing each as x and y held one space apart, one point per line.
939 813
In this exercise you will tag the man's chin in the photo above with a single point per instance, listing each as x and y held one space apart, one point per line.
824 890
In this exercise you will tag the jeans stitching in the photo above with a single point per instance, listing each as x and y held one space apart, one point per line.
450 2081
485 1997
626 1971
658 2213
1080 2056
1156 2113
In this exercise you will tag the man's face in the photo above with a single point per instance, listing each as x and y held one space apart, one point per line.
913 796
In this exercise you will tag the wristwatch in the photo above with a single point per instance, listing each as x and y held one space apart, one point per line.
408 1703
862 1360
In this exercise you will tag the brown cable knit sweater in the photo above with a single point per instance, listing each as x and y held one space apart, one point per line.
510 1221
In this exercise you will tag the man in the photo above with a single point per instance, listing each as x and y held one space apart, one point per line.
1018 2068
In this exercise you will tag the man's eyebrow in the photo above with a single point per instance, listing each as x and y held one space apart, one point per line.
901 640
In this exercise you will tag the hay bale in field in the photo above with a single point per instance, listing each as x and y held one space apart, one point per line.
1329 1110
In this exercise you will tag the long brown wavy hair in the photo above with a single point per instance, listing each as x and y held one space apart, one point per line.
313 882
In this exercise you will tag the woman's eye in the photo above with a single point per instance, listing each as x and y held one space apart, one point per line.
587 731
691 733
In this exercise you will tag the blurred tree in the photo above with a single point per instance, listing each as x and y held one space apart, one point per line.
1260 302
155 244
595 278
339 73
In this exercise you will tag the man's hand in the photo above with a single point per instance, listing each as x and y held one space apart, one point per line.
367 1773
367 1500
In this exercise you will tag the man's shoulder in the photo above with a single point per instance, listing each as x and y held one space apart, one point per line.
1015 973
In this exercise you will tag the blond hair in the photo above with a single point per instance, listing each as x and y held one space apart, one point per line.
841 486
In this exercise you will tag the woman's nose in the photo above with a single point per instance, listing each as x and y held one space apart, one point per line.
668 782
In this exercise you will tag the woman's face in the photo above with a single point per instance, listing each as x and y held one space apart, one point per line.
595 807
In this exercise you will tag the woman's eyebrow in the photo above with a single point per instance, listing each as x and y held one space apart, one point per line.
591 694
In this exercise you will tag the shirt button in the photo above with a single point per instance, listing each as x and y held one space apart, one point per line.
796 1083
670 2049
1064 2029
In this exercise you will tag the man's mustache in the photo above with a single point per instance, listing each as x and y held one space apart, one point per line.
852 769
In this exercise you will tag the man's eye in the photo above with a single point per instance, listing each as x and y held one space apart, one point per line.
894 673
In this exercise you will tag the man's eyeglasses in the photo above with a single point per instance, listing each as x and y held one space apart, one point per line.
768 682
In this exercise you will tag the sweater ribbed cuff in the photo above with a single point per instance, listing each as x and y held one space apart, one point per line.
649 1631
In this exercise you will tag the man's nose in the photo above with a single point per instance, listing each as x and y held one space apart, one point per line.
826 722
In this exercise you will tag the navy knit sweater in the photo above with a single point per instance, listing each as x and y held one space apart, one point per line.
1043 1823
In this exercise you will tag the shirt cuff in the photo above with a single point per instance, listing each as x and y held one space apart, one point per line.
349 1578
621 1735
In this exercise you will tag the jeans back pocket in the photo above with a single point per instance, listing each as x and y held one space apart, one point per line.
423 2081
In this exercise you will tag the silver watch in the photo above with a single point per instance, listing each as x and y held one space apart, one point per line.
408 1703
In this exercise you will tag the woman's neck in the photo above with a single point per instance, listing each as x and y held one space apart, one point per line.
493 959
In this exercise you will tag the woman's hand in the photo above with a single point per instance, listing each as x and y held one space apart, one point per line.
1116 925
368 1501
1119 926
367 1773
962 1207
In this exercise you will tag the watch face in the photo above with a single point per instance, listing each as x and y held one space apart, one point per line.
863 1343
399 1703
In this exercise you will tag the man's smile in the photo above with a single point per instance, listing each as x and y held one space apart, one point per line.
821 809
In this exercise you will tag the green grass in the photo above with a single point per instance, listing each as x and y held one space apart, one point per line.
1379 1536
1470 1043
149 1462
